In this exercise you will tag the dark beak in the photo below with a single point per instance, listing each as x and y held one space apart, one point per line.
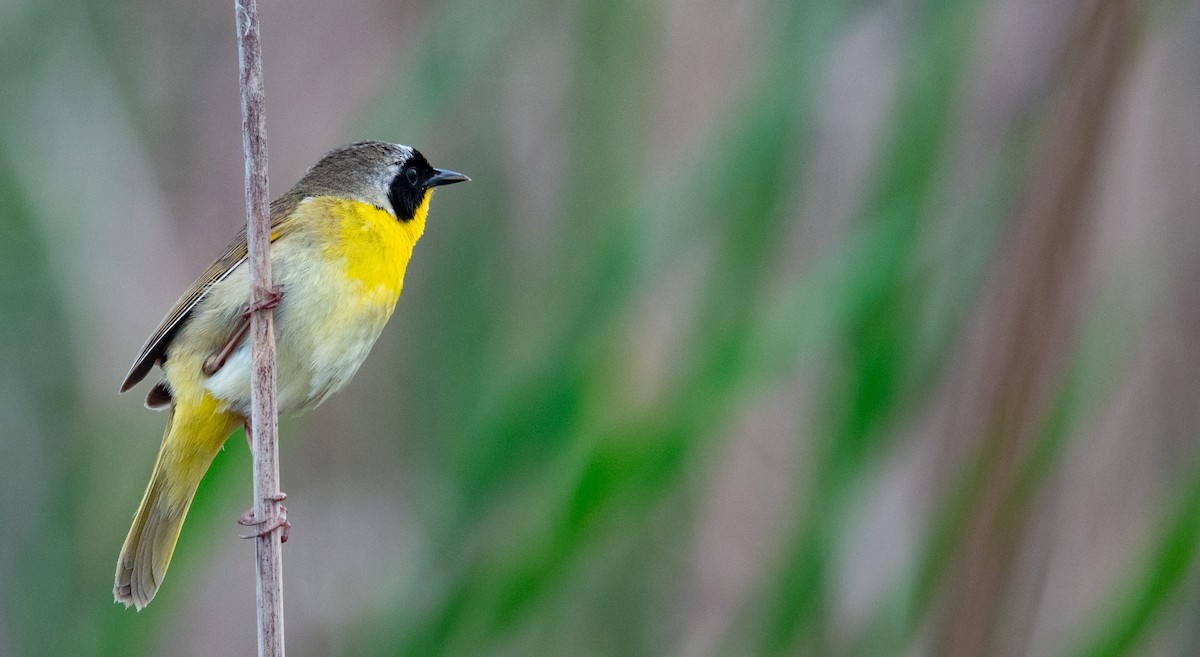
444 177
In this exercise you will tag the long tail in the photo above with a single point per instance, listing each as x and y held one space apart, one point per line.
194 435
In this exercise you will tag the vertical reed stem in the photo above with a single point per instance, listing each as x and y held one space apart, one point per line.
264 416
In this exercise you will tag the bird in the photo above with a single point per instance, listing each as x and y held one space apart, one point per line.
341 240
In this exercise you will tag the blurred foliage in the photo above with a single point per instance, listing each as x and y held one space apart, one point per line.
625 408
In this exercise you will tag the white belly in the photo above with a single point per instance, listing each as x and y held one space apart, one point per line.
324 328
305 375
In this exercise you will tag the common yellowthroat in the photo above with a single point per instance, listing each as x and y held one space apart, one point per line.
341 240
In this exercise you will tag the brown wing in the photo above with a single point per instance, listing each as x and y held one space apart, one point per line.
152 352
160 339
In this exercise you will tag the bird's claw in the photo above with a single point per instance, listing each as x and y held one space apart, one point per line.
215 362
268 525
270 299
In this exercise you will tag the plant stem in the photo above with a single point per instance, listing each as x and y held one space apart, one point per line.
264 416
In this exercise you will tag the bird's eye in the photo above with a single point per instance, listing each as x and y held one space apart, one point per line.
410 175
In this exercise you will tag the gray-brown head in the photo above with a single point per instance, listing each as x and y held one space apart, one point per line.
393 177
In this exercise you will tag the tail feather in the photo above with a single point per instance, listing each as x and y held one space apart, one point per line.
191 440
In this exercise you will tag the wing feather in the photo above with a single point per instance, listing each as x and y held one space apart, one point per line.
156 346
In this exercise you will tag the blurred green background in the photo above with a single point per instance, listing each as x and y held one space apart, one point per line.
764 328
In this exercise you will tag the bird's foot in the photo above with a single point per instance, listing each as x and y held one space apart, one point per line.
267 299
268 525
215 362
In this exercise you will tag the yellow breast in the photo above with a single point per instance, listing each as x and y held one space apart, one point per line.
350 294
370 244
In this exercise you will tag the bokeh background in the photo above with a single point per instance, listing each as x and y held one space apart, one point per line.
764 328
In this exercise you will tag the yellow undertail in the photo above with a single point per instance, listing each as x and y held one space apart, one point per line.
194 435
